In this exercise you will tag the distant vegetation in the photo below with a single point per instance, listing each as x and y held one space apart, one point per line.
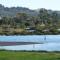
23 21
6 11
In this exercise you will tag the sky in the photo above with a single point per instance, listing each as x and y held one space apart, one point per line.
32 4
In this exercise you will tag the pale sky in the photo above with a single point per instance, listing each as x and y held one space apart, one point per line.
33 4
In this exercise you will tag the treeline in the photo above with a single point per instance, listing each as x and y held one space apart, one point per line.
23 24
11 11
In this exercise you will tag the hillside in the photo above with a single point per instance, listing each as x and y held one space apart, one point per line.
23 21
6 11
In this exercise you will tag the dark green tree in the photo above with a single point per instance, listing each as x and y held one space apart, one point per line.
43 14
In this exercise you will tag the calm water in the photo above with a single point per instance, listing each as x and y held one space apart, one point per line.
52 42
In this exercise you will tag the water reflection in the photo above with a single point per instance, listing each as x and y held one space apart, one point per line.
46 46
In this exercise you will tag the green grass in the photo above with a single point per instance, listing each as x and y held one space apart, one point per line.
11 55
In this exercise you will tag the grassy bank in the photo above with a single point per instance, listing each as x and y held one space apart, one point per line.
14 55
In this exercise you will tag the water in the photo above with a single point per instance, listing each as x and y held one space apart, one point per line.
52 42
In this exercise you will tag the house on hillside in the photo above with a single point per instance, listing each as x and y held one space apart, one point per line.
30 29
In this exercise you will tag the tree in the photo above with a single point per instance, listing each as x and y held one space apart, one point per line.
21 16
55 17
43 14
4 20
